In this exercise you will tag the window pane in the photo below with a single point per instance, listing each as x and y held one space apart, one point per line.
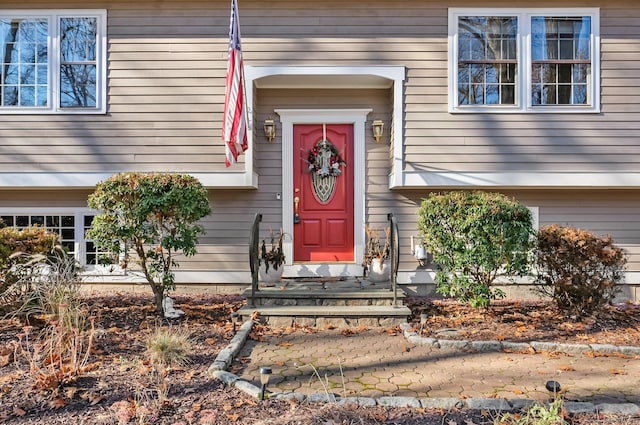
53 221
580 73
22 45
484 44
580 96
78 71
508 96
22 221
548 94
492 94
564 95
27 96
78 39
564 73
68 220
77 86
7 220
37 220
508 73
558 46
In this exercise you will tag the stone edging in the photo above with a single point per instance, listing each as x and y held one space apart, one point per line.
218 370
535 346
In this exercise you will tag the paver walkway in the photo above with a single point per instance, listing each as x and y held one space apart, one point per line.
373 363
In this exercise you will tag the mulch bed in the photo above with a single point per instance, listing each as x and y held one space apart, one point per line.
119 386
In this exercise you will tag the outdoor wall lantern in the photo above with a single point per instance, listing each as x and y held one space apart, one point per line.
270 130
378 130
265 374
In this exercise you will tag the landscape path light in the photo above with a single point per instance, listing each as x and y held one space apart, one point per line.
265 374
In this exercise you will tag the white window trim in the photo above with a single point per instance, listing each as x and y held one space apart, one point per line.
53 16
523 82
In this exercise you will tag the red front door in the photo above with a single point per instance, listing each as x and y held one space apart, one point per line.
323 192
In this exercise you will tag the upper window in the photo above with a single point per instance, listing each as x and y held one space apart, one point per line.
536 60
52 62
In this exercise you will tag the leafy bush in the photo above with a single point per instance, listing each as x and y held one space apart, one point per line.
153 215
475 238
578 269
22 252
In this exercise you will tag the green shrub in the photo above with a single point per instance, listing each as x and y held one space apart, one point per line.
153 215
475 238
578 269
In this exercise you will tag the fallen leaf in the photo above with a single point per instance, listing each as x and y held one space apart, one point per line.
5 359
566 368
57 403
617 371
196 407
70 392
285 344
19 412
227 407
233 417
91 397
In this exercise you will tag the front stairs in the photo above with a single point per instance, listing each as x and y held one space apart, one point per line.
326 302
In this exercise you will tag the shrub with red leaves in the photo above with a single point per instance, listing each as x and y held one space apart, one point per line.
577 268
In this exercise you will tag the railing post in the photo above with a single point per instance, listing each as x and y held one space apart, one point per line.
254 237
395 255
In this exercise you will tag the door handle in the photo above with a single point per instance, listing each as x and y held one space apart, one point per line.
296 204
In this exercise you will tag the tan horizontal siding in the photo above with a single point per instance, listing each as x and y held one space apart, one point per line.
167 62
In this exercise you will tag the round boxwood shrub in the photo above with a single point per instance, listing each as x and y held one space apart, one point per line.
475 238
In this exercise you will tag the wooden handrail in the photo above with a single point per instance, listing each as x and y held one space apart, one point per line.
394 254
254 237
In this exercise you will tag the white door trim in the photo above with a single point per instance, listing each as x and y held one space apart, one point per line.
357 117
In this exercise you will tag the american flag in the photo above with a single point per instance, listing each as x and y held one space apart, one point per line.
234 131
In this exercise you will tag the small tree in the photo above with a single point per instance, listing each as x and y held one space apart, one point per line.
475 237
153 215
577 269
